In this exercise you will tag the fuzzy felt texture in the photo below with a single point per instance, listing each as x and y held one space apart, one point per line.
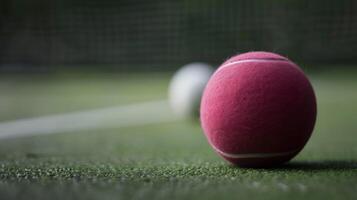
263 106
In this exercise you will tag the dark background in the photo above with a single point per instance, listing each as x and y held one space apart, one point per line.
161 35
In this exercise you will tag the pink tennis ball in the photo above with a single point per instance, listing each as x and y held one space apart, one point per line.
258 110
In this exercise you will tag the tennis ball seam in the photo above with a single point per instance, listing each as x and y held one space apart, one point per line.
251 60
253 155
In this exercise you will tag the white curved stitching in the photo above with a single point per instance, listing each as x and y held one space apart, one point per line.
254 155
248 61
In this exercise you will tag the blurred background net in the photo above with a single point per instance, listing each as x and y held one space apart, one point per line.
160 35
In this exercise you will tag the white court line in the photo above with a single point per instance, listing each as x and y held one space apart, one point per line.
118 116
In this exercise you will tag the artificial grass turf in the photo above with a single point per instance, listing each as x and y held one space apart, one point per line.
161 161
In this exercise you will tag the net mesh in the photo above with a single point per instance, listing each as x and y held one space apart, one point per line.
145 33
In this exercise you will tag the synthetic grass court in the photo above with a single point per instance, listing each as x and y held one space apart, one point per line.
163 161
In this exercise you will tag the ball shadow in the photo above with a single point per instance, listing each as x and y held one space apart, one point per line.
309 166
319 165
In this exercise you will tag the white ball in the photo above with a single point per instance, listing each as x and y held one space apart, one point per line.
186 88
